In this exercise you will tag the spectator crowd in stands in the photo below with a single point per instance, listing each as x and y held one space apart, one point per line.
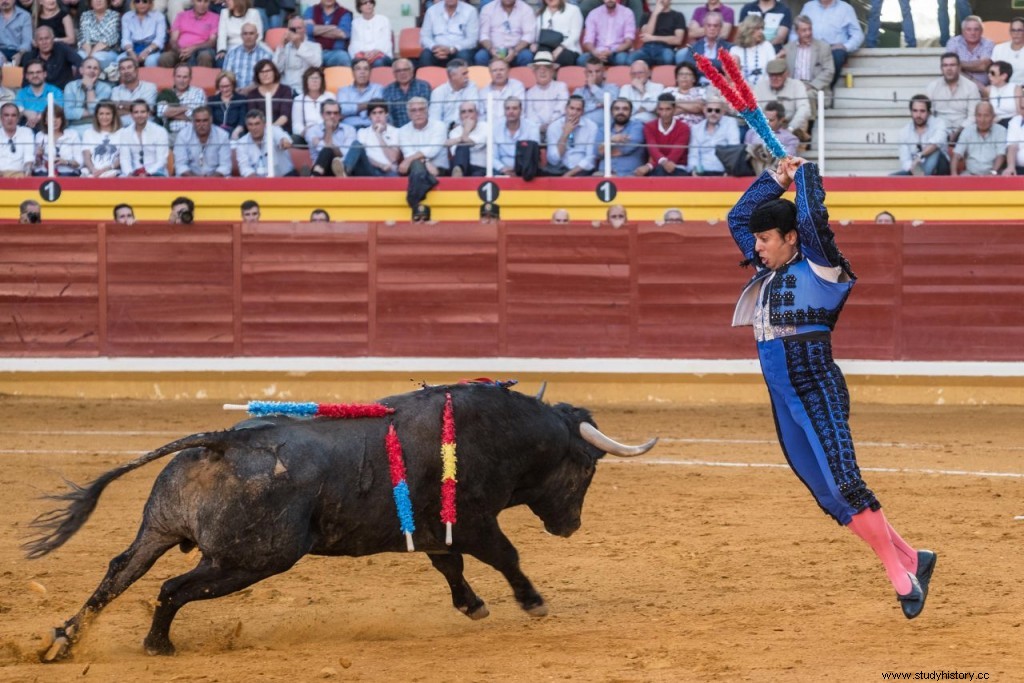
110 121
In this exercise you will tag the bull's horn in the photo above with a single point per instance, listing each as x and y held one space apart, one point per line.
543 388
593 436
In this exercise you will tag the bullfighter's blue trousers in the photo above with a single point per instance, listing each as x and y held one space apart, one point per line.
811 406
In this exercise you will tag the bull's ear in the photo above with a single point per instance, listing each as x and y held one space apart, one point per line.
594 437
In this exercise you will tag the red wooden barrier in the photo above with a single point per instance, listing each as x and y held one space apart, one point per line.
933 292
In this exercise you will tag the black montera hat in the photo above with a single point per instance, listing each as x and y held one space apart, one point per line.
775 214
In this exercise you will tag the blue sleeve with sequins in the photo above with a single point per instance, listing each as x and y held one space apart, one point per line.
763 189
817 241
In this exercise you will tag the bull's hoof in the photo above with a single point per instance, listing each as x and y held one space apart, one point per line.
539 610
59 647
158 647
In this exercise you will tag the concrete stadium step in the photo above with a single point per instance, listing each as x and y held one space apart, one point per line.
895 58
862 99
872 78
863 161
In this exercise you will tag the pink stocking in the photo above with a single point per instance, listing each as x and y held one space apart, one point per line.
871 526
908 556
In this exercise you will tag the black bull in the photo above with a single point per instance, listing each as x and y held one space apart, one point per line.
257 497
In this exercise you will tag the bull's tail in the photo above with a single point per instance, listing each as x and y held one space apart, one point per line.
57 526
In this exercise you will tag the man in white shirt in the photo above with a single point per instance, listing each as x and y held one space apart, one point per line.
17 145
468 143
714 131
446 98
176 116
376 151
923 141
953 96
202 149
330 141
422 140
500 89
546 100
451 29
144 145
572 142
251 151
296 54
130 88
516 129
789 92
1015 146
641 91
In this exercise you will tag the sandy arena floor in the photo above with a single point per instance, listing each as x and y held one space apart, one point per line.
684 570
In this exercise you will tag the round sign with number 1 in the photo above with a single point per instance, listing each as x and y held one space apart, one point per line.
606 191
50 190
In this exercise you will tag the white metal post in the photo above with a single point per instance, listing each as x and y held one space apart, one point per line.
268 136
51 145
490 134
821 132
607 134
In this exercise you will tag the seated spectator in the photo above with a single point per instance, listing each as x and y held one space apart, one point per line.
31 98
515 129
672 216
422 140
560 217
572 143
330 142
251 150
809 60
751 50
668 140
446 98
608 34
875 23
376 151
789 92
144 145
99 33
507 29
981 147
616 215
641 91
696 29
545 101
371 35
202 149
58 20
973 49
714 131
60 61
1015 147
228 106
81 96
306 108
124 214
268 82
588 6
242 59
835 23
885 218
499 89
16 36
250 208
17 153
296 55
627 140
707 46
594 89
355 99
101 156
662 35
1004 95
953 96
130 89
319 216
229 27
143 33
778 20
923 141
193 38
330 24
468 143
178 104
558 18
775 113
688 95
451 30
1012 51
403 89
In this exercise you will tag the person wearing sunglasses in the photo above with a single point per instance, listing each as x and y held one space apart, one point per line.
714 131
143 33
17 146
793 303
1004 95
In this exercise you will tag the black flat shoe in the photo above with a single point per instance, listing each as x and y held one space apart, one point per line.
913 602
925 565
